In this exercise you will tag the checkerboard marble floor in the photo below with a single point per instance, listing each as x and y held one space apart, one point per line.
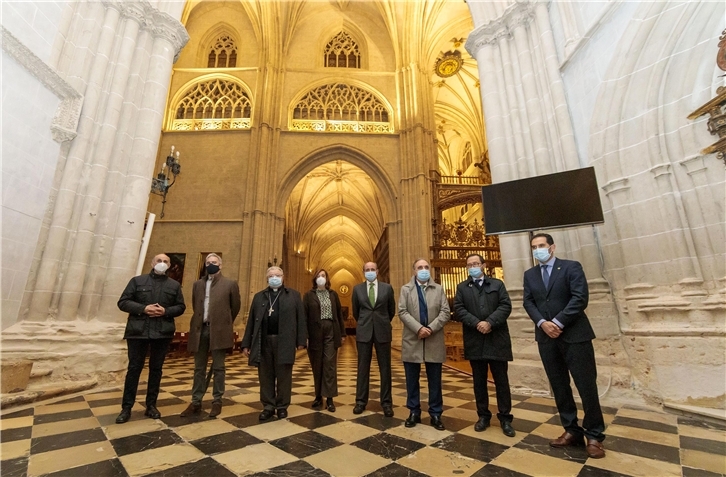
77 436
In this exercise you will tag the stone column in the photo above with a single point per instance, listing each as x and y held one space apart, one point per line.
530 133
95 221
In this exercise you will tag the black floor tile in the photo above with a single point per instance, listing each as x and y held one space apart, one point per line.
491 470
69 439
378 421
471 447
704 445
70 400
146 441
466 396
689 472
689 421
388 446
106 468
175 420
169 402
395 470
643 449
588 471
315 420
62 416
206 467
105 402
245 420
541 445
225 442
16 434
298 468
23 413
643 424
451 423
14 467
305 444
522 425
530 406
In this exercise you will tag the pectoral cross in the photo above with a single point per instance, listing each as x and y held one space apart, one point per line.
269 313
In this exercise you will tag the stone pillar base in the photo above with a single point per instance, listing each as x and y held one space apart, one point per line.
73 350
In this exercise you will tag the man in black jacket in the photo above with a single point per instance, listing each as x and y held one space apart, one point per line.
555 298
152 302
482 305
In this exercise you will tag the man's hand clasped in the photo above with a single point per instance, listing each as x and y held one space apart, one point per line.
154 310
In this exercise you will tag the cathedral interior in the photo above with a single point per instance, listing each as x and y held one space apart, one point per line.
324 134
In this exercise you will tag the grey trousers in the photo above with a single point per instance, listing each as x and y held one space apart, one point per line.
324 362
200 370
275 378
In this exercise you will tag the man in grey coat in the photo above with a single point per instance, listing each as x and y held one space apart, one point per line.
424 310
216 303
482 304
373 309
276 327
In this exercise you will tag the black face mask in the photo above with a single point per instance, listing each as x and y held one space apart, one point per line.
212 268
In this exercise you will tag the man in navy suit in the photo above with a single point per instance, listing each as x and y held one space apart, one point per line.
555 298
373 309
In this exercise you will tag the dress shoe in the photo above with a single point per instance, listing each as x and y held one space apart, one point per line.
123 416
329 405
568 439
595 449
191 409
216 409
412 420
152 412
266 415
507 429
388 411
358 409
481 424
437 424
281 413
318 403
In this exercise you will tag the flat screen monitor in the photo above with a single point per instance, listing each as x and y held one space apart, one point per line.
564 199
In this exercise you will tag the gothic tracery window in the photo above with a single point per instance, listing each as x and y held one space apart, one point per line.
223 53
341 107
341 52
214 104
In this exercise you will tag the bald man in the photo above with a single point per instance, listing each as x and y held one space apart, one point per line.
152 301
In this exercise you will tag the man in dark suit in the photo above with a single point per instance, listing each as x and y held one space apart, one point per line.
373 309
555 298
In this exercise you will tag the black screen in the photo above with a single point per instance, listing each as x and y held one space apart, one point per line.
564 199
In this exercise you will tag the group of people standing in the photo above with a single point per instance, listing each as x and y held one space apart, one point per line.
281 322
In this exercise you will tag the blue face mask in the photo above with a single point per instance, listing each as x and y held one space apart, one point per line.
370 276
423 275
541 254
475 272
274 282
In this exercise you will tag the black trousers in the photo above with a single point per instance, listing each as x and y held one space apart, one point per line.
365 355
137 349
560 359
501 384
275 378
324 362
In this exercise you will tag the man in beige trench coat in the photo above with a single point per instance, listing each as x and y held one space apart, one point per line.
424 311
216 303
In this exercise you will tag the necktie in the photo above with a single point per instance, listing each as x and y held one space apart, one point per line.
372 294
545 275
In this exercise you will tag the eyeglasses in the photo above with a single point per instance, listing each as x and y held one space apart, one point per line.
473 264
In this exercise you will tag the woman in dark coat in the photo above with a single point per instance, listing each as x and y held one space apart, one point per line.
326 330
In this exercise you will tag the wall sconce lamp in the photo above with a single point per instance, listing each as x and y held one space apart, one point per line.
160 184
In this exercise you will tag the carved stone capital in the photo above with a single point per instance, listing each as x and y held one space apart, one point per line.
521 13
167 27
65 122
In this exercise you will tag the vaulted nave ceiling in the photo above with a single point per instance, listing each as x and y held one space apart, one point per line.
334 217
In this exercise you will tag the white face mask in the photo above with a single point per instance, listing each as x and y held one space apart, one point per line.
321 281
161 268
